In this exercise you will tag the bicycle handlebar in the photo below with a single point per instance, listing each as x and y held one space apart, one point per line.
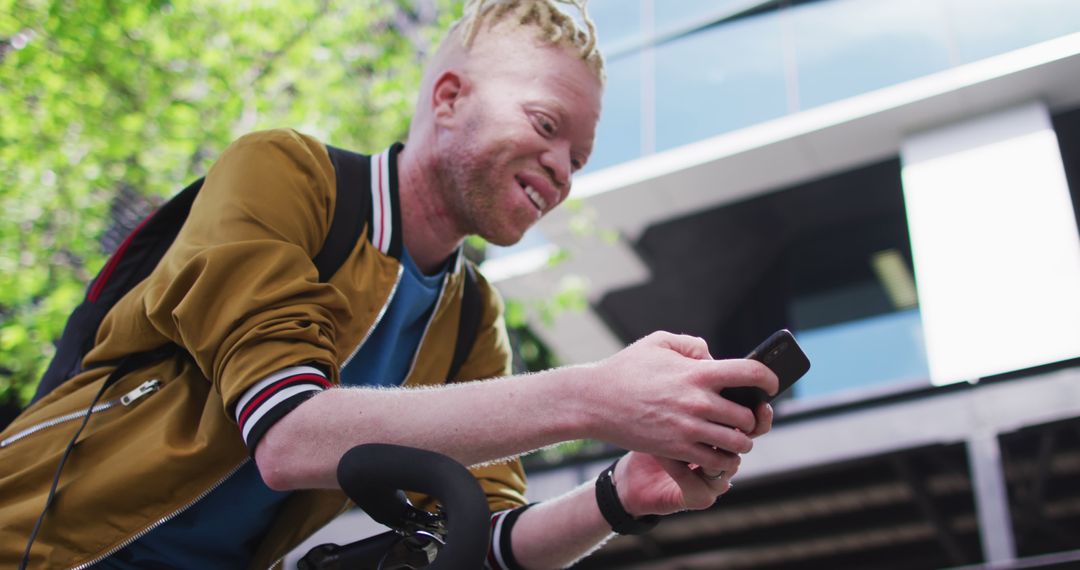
373 476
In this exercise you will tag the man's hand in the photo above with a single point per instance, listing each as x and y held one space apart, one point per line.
661 396
651 485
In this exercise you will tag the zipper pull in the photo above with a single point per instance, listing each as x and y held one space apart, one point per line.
145 388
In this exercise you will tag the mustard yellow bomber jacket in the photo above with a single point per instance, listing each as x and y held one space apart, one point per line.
239 293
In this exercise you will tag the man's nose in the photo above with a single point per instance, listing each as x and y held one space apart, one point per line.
556 161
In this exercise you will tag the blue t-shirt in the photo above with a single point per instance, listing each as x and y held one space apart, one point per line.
386 357
224 528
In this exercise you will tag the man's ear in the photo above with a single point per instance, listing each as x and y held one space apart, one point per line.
447 92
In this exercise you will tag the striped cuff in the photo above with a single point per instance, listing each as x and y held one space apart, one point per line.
501 554
268 401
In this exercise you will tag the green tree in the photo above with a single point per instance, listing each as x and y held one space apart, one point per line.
108 106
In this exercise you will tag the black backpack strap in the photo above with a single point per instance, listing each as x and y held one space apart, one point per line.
468 323
127 266
353 203
146 245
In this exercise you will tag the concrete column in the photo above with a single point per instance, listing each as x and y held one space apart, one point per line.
991 498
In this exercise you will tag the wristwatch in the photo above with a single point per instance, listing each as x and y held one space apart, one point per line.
612 508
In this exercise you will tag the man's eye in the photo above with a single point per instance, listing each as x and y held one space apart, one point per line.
546 125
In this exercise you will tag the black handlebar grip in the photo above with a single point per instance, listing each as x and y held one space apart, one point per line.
373 474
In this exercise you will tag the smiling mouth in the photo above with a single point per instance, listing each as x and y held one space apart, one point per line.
535 197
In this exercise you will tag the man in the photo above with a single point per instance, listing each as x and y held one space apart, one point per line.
506 114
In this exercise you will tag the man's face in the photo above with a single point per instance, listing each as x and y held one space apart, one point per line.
521 128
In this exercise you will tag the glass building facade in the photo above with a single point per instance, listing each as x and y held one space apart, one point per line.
680 71
768 164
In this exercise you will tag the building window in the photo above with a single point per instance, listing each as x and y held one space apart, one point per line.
829 259
720 79
984 28
844 48
618 135
673 16
618 23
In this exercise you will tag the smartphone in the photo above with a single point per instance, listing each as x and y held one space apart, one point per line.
784 357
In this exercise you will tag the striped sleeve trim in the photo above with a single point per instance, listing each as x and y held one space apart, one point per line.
501 553
269 400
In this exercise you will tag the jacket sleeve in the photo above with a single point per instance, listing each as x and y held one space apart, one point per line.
238 289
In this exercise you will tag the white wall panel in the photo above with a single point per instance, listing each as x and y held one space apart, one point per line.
994 238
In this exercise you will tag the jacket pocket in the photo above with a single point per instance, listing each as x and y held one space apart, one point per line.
127 400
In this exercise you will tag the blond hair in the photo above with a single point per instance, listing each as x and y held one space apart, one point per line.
555 26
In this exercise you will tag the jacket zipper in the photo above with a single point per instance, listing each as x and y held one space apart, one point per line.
144 389
378 318
431 319
162 520
167 518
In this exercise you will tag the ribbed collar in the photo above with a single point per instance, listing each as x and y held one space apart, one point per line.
385 230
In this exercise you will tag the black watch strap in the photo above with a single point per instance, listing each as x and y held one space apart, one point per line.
611 507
